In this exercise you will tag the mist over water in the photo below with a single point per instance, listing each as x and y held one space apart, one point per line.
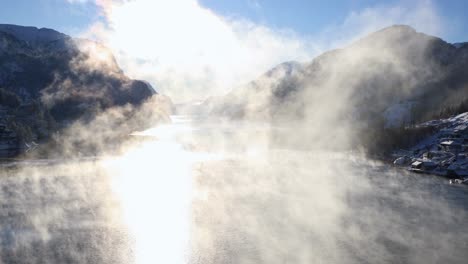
283 183
60 212
194 192
274 204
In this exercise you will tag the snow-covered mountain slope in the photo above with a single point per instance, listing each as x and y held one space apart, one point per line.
451 122
444 152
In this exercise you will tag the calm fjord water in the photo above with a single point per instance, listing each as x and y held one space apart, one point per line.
223 193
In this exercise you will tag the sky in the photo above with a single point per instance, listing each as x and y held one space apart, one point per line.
193 49
303 16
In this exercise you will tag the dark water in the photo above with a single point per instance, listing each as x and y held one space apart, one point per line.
59 213
242 201
339 212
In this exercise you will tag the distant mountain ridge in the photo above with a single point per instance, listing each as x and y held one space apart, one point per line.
460 44
33 35
360 86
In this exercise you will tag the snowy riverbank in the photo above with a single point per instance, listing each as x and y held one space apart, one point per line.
444 153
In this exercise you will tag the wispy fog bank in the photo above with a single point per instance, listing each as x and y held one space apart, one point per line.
189 52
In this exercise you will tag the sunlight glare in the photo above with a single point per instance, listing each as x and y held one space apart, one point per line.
154 184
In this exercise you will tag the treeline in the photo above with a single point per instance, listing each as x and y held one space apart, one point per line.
453 110
381 140
30 121
386 140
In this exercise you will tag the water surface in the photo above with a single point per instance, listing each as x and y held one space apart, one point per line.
197 192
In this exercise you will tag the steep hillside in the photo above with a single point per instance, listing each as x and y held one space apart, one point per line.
387 80
443 152
66 74
60 79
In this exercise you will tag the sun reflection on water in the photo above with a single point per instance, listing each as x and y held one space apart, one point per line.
154 183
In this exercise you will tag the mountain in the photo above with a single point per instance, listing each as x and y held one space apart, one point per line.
256 100
387 80
64 73
32 35
460 44
49 80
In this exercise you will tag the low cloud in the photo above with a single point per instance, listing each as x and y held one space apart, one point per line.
189 52
421 15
